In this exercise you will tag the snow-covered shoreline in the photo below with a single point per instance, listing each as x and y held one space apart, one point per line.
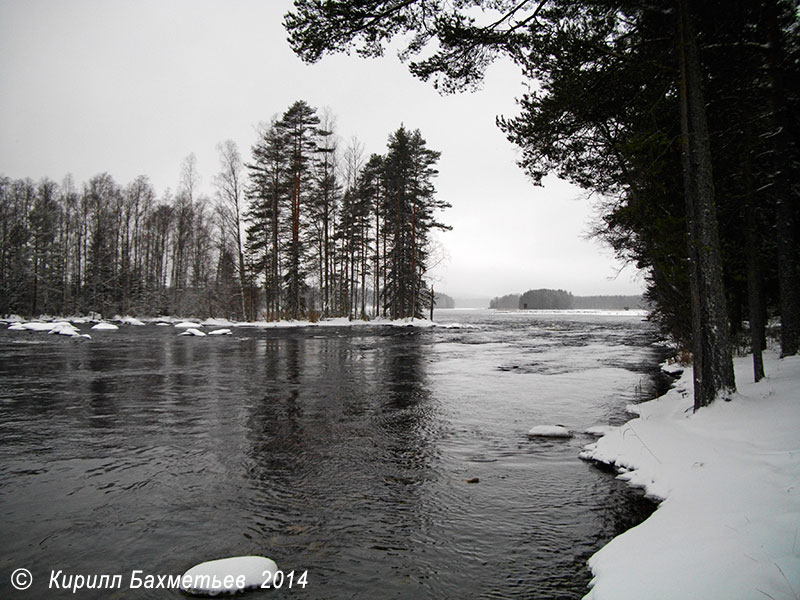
728 526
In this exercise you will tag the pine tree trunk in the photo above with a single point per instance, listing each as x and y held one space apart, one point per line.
712 360
785 199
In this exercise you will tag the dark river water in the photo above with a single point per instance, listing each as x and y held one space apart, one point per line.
340 451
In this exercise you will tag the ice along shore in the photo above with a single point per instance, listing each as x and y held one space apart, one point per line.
728 478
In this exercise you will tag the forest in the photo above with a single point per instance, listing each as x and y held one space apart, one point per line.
303 229
679 117
548 299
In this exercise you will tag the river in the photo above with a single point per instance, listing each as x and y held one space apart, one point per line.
343 452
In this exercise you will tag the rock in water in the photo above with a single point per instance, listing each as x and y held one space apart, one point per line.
558 431
228 575
193 331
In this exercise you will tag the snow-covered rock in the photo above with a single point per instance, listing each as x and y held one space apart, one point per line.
37 326
64 328
193 331
17 327
187 325
131 321
235 574
220 332
103 326
599 430
554 431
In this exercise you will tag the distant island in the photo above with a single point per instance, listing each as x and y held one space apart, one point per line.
548 299
443 301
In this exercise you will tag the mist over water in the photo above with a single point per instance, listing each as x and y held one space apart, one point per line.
342 451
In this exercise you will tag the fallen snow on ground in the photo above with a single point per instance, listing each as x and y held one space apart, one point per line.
550 431
217 323
729 477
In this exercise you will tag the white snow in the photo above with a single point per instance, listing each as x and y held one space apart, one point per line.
131 321
599 430
17 327
557 431
729 476
64 328
193 331
103 326
251 571
187 324
37 326
217 323
221 332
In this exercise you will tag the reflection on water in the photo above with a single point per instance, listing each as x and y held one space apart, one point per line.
344 451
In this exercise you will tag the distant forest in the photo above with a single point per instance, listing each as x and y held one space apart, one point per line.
683 117
547 299
443 301
302 228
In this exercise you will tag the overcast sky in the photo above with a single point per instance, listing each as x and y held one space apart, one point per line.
133 86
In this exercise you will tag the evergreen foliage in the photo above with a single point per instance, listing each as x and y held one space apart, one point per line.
304 233
682 116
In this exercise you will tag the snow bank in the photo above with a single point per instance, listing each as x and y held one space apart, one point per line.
558 431
729 477
238 573
217 323
103 326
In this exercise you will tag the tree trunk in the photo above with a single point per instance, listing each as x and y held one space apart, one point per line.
712 360
788 271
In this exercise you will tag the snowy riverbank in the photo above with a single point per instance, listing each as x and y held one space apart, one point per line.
729 477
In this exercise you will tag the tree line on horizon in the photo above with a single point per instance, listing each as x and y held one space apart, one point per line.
548 299
682 117
303 229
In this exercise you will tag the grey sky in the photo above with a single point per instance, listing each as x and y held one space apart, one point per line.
133 86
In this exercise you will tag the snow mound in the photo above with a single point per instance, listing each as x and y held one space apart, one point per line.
236 574
553 431
187 325
193 331
64 328
220 332
17 327
37 326
131 321
105 326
